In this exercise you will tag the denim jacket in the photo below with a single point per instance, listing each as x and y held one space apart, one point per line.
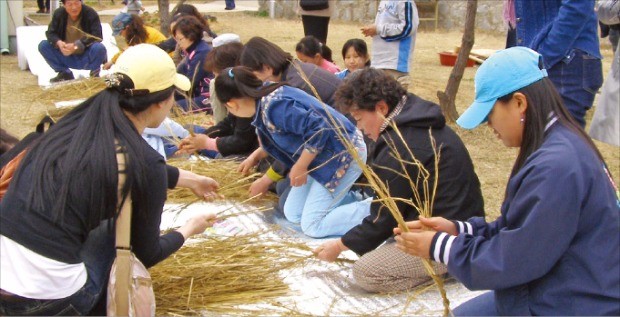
554 28
289 121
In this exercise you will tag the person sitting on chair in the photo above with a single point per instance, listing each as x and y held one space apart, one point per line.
73 41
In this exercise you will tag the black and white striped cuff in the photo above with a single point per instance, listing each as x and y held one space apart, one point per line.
463 227
440 247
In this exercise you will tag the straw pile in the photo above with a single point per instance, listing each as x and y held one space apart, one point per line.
216 274
233 185
70 90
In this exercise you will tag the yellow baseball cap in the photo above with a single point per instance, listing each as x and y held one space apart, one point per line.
150 68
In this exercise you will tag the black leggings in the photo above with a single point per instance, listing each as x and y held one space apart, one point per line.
315 26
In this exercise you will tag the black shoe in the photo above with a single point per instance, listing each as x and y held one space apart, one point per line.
229 8
62 76
94 73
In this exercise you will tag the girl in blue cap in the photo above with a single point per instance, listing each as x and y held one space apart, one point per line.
555 248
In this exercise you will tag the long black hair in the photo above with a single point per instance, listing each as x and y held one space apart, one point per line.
258 52
74 162
240 82
543 99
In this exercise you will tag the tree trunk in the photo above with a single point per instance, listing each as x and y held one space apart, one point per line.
447 97
164 16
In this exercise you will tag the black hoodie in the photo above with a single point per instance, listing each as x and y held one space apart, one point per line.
458 195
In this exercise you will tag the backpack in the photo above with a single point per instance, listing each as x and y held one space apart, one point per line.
9 161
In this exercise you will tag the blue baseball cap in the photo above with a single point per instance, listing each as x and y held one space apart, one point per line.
120 22
504 72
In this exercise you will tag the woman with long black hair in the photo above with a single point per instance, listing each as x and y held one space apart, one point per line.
58 217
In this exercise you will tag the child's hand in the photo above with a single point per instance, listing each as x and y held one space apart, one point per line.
260 186
298 175
194 143
246 166
369 30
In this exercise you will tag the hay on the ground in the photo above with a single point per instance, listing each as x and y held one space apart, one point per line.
218 273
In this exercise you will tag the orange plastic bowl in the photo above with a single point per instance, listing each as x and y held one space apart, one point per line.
449 59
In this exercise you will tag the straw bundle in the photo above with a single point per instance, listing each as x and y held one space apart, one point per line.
233 185
218 273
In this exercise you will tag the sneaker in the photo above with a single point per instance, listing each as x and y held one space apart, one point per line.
62 76
95 72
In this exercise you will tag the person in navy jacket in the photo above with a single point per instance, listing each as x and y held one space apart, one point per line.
555 248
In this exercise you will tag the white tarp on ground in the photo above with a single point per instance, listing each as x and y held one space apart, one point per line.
28 56
321 288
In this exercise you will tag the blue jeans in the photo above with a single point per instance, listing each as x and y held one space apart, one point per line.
577 78
483 305
322 213
98 253
230 4
91 59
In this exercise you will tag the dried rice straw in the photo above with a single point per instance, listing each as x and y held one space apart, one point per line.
220 273
233 185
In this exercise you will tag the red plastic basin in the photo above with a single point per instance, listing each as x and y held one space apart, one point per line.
449 59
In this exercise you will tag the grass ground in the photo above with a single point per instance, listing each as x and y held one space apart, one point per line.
20 111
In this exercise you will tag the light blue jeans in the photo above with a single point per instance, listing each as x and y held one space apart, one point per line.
322 213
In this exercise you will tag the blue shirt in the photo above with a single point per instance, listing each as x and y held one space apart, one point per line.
554 28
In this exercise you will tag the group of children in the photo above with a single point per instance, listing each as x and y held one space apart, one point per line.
549 252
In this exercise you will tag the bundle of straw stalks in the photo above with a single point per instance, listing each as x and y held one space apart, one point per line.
216 274
233 185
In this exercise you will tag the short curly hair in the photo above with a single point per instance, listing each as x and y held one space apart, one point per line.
364 88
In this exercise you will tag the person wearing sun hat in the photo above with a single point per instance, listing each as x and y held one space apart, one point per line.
555 248
57 223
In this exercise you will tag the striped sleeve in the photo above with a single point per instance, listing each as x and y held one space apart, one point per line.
440 247
463 227
407 28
